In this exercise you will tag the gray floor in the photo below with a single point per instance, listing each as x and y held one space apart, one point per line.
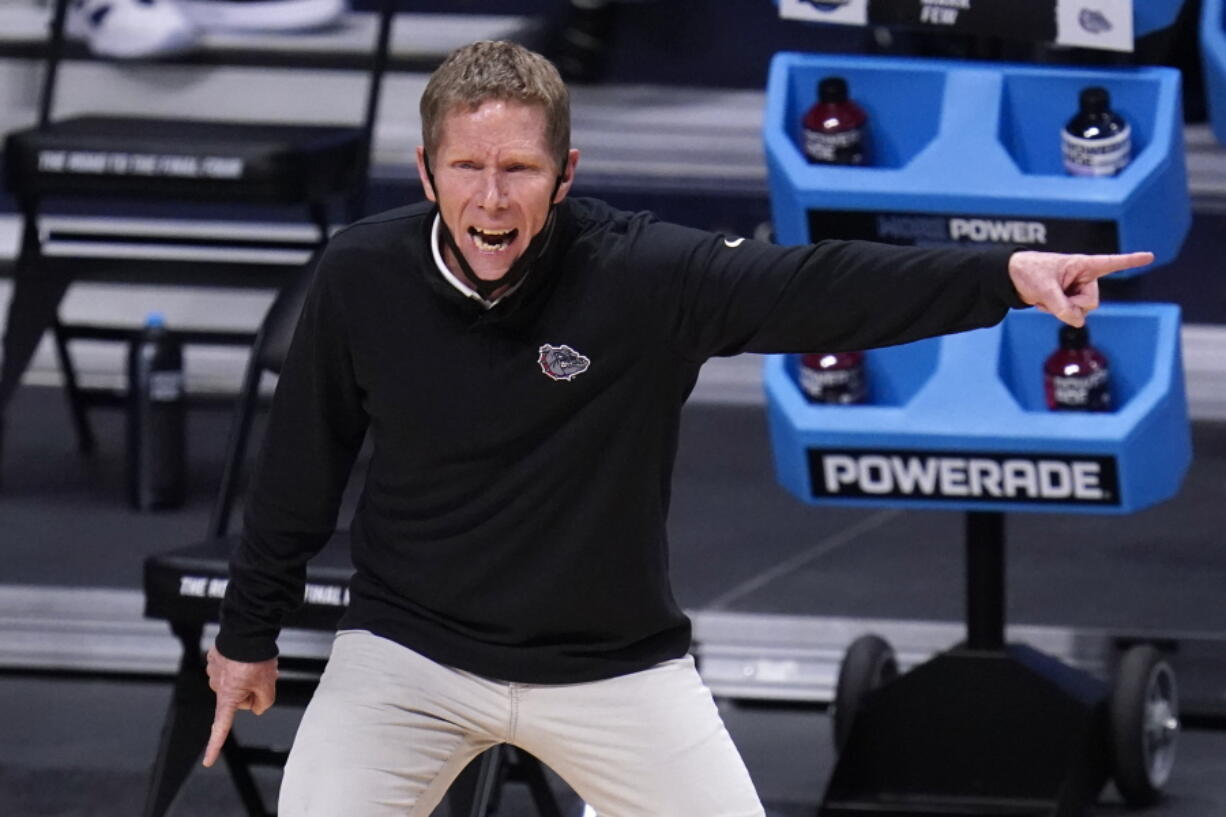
79 748
75 746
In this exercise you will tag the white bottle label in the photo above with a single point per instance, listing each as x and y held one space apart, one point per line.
844 147
165 386
844 386
1082 391
1096 157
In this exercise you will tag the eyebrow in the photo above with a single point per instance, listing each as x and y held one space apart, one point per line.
529 158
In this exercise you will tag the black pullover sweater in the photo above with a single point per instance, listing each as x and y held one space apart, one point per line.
512 522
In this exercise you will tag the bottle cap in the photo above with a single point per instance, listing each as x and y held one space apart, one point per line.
832 89
155 320
1074 337
1095 100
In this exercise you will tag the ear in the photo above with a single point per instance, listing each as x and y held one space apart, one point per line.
568 175
423 175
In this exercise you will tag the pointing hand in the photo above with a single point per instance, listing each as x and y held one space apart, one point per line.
1067 285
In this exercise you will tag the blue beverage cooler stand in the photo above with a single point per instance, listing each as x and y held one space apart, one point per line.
966 152
1149 16
1213 62
960 422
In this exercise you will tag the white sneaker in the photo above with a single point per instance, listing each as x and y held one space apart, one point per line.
130 29
264 15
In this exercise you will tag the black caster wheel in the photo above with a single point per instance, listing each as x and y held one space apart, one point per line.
1144 725
868 663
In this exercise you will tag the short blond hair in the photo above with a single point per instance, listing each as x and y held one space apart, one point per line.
496 70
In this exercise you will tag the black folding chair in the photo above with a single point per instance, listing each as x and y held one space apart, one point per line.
184 586
111 161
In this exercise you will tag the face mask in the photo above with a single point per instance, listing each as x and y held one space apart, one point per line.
520 267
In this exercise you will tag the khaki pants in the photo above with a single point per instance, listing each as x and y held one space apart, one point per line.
388 731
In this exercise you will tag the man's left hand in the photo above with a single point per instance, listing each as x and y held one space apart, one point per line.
1067 285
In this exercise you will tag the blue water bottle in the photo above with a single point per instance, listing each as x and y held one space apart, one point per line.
157 440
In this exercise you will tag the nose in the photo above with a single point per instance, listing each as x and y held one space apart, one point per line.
493 193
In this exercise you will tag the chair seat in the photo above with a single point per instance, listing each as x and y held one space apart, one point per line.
183 158
187 584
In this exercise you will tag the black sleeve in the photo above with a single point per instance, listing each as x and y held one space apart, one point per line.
721 295
314 432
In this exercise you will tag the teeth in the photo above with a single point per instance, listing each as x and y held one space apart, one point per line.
479 237
487 247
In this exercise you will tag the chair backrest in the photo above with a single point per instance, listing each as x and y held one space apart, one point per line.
267 355
376 66
272 341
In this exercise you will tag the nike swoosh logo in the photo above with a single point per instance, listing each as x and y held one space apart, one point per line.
732 245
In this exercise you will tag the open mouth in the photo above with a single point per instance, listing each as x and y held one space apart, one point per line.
492 240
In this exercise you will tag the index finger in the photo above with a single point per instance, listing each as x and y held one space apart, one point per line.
223 719
1101 265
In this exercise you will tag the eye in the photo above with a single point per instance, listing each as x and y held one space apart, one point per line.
466 165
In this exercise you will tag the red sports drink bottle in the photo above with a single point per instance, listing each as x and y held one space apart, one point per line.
834 377
835 127
1076 376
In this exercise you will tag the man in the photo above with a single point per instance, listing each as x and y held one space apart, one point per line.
520 360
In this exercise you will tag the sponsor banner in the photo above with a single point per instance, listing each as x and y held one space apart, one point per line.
964 477
214 587
847 12
1102 24
1028 20
119 163
937 229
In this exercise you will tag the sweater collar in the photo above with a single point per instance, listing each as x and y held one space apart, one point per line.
518 304
462 287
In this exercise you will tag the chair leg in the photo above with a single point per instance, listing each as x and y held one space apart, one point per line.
477 791
319 215
244 781
72 390
532 773
236 444
472 793
185 731
32 309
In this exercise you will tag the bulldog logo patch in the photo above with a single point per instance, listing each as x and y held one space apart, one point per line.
562 362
